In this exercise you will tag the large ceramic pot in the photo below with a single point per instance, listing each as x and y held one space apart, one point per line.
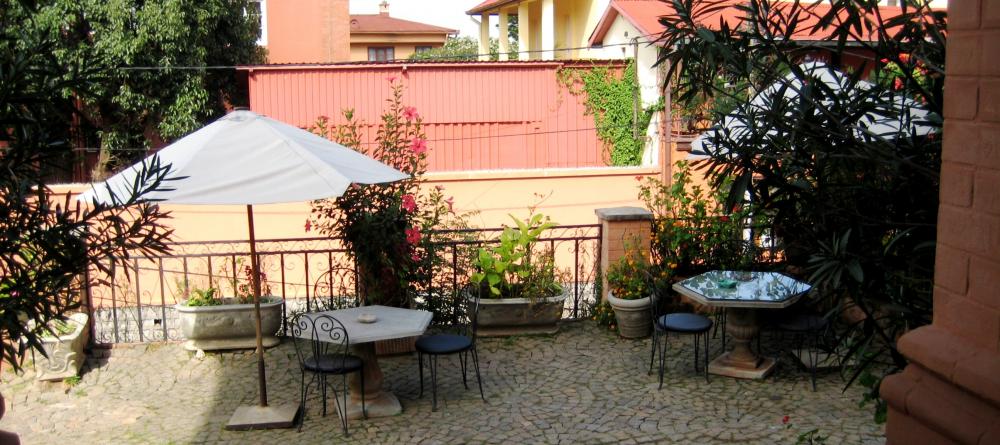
512 316
632 316
65 353
229 326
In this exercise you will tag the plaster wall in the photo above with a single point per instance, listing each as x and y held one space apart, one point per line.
307 31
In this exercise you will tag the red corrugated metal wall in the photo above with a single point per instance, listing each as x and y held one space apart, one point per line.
477 116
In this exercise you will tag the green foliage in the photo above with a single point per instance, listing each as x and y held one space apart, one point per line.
47 242
467 48
602 313
125 108
611 101
203 297
855 209
693 231
629 277
390 229
511 269
455 48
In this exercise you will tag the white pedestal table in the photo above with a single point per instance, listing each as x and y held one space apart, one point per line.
390 323
752 291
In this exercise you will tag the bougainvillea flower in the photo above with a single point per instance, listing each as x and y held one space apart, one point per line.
410 113
413 235
418 145
409 203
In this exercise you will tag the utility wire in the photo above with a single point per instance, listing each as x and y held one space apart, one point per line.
462 58
572 130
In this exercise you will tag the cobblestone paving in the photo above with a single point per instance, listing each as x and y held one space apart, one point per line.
583 385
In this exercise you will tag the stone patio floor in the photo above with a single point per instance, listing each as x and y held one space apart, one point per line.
581 386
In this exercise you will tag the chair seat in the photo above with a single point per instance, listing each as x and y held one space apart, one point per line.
802 323
684 322
333 363
443 344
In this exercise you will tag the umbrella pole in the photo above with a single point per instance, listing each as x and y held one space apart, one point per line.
260 416
255 266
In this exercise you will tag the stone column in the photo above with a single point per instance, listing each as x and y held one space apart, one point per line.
621 226
950 391
503 39
484 36
548 29
524 31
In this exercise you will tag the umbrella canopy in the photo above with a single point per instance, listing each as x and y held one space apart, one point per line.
899 116
246 158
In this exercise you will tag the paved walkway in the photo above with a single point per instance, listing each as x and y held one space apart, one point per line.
583 385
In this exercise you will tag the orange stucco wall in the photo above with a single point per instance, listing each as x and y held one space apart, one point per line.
570 197
308 31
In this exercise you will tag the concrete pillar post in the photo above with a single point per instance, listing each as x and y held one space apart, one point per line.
621 227
950 390
548 29
524 31
484 36
504 40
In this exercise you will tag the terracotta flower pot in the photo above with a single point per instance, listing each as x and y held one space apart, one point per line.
632 316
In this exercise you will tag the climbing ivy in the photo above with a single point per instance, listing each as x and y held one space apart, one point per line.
609 99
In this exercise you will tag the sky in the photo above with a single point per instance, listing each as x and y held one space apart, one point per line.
446 13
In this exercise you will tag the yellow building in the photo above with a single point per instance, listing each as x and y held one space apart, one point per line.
379 37
546 28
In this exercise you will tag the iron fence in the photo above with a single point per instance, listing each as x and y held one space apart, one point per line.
137 303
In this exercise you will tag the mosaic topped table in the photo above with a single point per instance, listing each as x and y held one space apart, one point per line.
743 294
390 322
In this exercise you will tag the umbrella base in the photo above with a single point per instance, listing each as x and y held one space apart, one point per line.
263 417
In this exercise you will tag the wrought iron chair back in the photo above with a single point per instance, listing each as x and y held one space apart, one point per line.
321 345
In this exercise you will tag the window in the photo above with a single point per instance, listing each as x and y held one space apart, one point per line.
421 49
381 53
257 11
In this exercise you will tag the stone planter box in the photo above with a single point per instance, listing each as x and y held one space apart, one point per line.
632 316
65 353
512 316
229 326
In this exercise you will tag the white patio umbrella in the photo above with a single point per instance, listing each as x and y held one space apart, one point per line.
245 158
884 123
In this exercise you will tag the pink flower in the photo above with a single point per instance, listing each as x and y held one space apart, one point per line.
308 226
724 218
418 145
409 203
638 177
391 79
439 187
897 84
415 256
784 419
451 204
413 235
410 113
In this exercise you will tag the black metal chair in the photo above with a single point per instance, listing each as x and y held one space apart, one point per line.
321 345
461 342
679 323
808 331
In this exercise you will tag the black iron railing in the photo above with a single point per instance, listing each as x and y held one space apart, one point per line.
137 303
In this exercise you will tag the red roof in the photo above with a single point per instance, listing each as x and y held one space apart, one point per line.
489 4
383 23
645 15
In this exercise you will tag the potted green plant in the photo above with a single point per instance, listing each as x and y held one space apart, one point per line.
520 287
63 342
210 321
629 292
